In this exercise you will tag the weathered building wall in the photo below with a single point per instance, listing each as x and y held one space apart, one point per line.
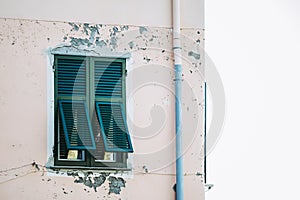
129 12
25 101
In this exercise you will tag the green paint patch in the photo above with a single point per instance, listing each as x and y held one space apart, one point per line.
75 27
195 55
143 29
115 184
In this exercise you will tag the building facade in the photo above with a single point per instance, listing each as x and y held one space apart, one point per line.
87 100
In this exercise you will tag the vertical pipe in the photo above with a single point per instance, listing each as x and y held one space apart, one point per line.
178 91
205 121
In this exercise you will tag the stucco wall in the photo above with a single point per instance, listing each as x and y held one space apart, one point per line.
129 12
25 101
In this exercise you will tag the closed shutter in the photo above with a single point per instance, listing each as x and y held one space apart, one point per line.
108 79
71 77
75 126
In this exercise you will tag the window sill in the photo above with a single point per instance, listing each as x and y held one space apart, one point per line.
96 169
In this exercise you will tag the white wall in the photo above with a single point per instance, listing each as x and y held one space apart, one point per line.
255 46
129 12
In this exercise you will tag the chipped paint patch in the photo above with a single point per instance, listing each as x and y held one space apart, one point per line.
89 179
80 41
115 184
143 29
194 54
95 180
100 43
75 27
113 42
131 44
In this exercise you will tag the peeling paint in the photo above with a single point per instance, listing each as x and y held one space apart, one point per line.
92 31
115 184
195 55
98 181
147 59
75 27
113 42
143 29
124 28
80 41
115 30
89 179
100 43
131 44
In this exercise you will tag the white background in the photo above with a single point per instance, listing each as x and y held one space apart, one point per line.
255 46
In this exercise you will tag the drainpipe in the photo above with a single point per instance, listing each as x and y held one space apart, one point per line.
205 121
178 82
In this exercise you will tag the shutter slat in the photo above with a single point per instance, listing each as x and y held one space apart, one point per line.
108 79
76 125
71 77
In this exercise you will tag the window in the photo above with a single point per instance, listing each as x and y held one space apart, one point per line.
90 112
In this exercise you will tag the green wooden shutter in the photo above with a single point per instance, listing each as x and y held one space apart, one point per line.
108 79
71 77
76 125
112 121
72 95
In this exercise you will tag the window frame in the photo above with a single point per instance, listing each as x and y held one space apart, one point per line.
90 99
